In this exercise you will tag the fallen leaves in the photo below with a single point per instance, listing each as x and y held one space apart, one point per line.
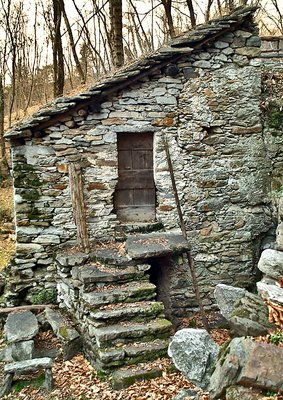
7 244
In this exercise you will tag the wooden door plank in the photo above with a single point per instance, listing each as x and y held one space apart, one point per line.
134 197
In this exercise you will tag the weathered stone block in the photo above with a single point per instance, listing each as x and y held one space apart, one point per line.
194 353
226 297
250 52
271 263
270 292
250 316
21 326
247 363
20 351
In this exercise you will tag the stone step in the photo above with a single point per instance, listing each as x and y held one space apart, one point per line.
129 332
125 377
113 257
124 293
132 353
122 231
155 245
92 275
138 311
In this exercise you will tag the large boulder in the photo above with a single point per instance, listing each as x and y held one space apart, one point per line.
271 263
245 312
194 353
273 293
250 317
21 326
247 363
226 296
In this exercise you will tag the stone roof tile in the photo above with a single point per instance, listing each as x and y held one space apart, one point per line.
185 43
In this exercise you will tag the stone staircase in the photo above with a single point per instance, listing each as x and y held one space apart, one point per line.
115 306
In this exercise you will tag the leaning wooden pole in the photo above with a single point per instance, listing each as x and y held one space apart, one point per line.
78 204
184 232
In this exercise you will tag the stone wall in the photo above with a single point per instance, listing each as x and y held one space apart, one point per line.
210 113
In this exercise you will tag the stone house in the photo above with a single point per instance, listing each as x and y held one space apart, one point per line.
92 168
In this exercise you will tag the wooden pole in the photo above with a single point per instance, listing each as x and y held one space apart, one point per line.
78 204
184 232
39 307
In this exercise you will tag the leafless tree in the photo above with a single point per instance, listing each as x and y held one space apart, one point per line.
116 32
58 56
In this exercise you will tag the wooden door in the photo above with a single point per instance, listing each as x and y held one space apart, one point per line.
134 197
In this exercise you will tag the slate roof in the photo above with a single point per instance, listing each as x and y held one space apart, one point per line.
171 52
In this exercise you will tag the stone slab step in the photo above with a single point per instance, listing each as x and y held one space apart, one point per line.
133 353
125 377
124 293
130 332
111 257
94 274
129 311
27 366
155 245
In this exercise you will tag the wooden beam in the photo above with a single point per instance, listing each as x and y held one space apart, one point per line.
8 310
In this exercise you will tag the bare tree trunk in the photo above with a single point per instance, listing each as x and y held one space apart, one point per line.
167 4
192 12
58 58
116 34
72 44
219 6
207 11
4 169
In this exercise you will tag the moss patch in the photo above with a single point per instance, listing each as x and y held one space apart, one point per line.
275 117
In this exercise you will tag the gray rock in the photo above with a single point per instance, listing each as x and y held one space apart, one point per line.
202 64
242 61
226 296
27 366
21 326
20 351
270 292
271 263
48 383
253 41
240 392
7 385
221 45
242 363
69 336
249 317
279 237
194 353
187 394
250 52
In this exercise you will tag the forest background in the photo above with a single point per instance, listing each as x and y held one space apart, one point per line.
50 48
